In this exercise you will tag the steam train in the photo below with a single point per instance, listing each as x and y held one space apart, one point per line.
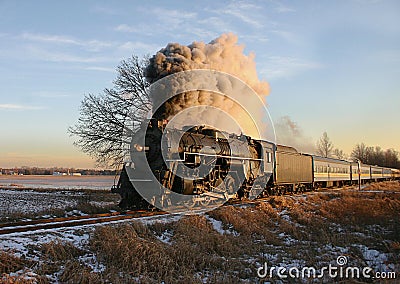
214 166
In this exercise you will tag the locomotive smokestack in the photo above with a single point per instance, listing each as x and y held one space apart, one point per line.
222 54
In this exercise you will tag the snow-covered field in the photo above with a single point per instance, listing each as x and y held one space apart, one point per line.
56 182
22 201
26 196
233 244
29 246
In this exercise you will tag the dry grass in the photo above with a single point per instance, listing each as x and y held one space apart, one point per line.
195 252
362 208
312 229
89 208
255 223
59 250
76 272
385 185
10 263
341 219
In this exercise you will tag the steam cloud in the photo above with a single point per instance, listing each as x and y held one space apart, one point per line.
290 133
222 54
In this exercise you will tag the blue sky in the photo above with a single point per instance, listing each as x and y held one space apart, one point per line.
332 65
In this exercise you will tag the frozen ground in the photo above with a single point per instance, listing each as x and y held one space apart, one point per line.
21 201
295 232
28 245
57 182
33 196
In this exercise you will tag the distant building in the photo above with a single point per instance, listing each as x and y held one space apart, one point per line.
66 174
59 174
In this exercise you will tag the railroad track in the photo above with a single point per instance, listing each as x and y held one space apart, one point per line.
65 222
74 221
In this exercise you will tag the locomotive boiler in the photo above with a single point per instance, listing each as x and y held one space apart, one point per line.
208 164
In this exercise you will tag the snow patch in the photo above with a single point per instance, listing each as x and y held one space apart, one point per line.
165 237
218 226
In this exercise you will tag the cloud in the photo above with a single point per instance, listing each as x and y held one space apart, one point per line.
106 10
49 38
127 29
57 56
19 107
285 67
99 68
137 45
92 45
173 17
282 8
49 94
243 11
286 35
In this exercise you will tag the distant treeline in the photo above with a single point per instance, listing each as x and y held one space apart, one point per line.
50 171
376 156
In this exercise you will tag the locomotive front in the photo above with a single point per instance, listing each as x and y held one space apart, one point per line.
209 165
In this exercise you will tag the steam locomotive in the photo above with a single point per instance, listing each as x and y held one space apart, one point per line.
214 166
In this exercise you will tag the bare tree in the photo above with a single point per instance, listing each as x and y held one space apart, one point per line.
339 154
324 146
376 156
108 120
391 158
360 152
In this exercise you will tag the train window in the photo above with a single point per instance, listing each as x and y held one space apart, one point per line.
268 157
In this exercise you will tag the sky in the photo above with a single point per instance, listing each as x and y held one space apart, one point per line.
332 66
